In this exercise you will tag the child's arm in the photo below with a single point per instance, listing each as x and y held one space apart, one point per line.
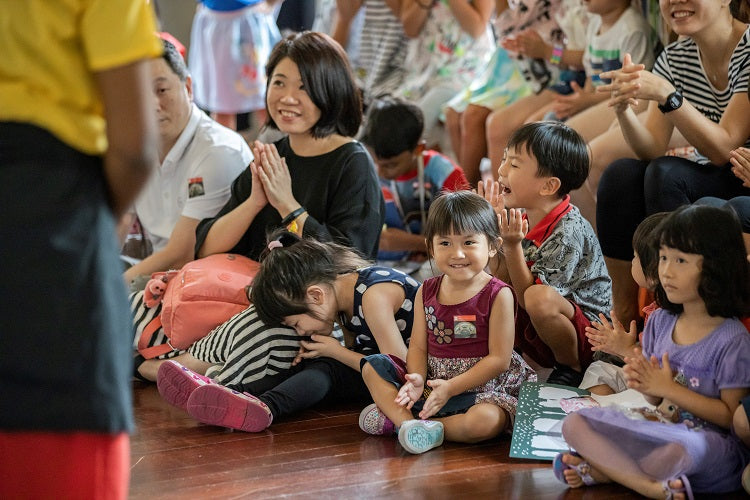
413 15
513 228
416 356
346 10
612 338
473 16
379 305
647 377
501 337
325 346
530 44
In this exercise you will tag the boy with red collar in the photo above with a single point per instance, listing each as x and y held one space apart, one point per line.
551 254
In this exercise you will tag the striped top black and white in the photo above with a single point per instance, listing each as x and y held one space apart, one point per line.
681 64
381 51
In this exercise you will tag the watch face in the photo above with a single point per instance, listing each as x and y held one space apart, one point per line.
673 102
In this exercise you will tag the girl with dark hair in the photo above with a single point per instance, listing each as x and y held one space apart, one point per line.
695 355
308 286
462 377
317 181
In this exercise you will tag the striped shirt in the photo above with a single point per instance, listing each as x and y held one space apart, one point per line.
680 63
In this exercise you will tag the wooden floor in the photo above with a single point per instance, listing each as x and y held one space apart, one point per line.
323 454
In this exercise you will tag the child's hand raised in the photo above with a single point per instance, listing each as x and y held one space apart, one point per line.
491 191
318 346
647 377
611 338
439 395
411 391
513 226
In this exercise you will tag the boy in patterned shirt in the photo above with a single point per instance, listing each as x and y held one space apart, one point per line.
551 255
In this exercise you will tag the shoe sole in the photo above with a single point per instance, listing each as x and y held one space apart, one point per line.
367 409
175 385
217 405
418 438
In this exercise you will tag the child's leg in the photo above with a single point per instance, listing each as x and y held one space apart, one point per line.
503 122
552 315
617 467
453 128
483 421
384 395
740 421
150 368
474 140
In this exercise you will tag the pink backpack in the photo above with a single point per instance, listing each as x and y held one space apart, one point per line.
196 299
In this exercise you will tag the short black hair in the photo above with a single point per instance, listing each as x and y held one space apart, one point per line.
327 77
174 60
392 125
458 212
715 234
559 151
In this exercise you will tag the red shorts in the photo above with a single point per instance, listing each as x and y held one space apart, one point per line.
81 465
528 342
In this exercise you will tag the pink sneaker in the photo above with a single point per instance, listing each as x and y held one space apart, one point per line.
373 421
215 404
176 382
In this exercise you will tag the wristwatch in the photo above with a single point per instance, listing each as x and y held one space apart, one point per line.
674 101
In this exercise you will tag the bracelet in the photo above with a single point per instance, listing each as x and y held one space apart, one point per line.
292 216
556 57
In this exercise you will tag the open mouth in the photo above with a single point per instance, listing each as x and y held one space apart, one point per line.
505 189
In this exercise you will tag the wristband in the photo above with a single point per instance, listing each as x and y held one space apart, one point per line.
292 216
556 57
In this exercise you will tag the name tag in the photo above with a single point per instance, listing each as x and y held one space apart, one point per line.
464 327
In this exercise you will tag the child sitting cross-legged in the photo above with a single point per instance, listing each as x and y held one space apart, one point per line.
461 377
609 340
551 255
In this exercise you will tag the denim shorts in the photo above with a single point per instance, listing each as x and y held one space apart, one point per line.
393 370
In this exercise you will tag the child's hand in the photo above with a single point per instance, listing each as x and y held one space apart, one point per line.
513 226
740 160
566 106
491 192
411 391
611 338
319 346
531 45
647 377
438 397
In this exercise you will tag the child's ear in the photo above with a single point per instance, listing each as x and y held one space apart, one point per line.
550 187
315 294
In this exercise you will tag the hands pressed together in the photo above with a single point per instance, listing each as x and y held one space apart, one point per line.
647 376
272 182
631 83
612 338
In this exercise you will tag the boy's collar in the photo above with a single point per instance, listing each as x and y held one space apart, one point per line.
542 230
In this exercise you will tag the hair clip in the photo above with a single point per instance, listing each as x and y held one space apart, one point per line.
274 244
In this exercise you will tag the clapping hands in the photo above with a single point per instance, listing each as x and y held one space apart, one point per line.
612 337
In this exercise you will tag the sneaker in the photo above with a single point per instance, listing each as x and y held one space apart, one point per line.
418 436
565 375
373 421
176 382
215 404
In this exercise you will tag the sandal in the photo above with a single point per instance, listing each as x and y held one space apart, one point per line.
669 491
583 469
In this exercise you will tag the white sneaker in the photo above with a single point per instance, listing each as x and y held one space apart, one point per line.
418 436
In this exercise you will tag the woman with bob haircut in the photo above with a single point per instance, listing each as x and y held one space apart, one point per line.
317 182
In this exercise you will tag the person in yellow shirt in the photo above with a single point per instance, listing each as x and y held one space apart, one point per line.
77 142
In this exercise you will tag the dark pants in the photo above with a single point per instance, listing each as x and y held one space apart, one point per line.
307 384
739 204
630 190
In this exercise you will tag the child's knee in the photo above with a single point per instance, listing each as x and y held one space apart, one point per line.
485 421
541 302
741 424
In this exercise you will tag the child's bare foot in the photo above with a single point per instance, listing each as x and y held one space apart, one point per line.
576 472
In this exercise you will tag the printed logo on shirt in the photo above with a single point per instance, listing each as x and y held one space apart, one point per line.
464 326
195 187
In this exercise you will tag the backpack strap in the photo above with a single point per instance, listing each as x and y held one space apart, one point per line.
148 332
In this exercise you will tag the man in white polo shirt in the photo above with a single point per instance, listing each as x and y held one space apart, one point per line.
199 160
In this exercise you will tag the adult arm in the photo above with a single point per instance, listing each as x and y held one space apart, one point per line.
131 131
178 251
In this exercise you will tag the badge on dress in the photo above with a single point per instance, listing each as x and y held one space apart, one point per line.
464 326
